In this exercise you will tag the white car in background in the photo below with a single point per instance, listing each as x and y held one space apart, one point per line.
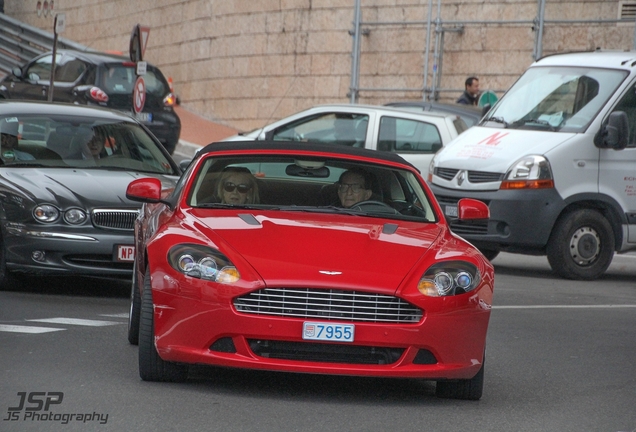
416 136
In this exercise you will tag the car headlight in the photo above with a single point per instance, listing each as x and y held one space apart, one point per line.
75 216
203 262
46 213
449 278
530 172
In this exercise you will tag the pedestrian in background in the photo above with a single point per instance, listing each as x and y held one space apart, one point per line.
471 93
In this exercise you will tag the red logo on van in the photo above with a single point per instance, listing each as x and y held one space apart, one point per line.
493 139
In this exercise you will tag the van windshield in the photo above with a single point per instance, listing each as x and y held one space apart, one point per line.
564 99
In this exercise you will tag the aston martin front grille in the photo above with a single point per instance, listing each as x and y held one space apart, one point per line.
328 304
115 219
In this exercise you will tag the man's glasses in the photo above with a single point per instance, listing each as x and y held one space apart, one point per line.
241 188
354 187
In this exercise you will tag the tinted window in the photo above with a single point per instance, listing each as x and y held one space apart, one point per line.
120 79
41 69
408 136
334 128
69 71
77 142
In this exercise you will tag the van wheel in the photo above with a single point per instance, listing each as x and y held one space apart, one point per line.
151 366
581 245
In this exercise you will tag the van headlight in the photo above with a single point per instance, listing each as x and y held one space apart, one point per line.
530 172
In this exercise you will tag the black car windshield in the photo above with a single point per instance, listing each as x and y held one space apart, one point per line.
559 99
79 142
120 79
317 185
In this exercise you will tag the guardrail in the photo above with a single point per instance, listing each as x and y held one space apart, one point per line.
20 42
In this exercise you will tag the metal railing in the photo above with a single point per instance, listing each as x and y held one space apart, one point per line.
20 42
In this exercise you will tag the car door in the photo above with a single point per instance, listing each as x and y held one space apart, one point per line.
334 127
416 141
68 73
617 175
35 80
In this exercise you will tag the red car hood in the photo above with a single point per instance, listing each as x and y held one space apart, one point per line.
324 250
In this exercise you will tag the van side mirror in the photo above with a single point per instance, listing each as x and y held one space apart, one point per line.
615 133
485 109
17 72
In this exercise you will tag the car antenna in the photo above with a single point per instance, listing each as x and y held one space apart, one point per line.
279 102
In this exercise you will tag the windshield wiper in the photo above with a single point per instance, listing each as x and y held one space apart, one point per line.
499 120
540 122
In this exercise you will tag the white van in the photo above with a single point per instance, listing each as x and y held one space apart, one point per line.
555 160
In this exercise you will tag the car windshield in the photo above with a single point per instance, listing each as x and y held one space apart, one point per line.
79 142
120 79
563 99
319 185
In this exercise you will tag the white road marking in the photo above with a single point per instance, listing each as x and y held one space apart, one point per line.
76 321
121 315
610 306
27 329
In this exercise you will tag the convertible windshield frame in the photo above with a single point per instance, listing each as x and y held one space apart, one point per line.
307 185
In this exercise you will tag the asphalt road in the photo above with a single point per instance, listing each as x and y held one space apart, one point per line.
561 356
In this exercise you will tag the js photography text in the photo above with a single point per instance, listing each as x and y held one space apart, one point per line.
36 407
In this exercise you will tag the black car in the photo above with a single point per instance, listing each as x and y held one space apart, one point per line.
64 170
470 114
93 78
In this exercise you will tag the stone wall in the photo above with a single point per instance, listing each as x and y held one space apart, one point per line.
245 63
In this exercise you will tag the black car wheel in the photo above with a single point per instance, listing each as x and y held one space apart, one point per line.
135 309
151 366
468 389
581 245
7 279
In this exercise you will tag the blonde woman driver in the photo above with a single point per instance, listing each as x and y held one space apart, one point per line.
237 186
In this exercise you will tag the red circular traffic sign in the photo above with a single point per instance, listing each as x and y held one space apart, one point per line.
139 95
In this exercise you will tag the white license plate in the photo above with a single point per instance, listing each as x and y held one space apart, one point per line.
144 117
125 253
451 210
328 332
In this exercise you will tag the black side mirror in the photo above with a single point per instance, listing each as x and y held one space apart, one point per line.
485 109
615 133
17 72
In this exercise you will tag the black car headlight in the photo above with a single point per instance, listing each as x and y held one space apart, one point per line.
449 278
75 216
203 262
46 213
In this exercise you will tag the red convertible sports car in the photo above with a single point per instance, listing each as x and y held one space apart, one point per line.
307 258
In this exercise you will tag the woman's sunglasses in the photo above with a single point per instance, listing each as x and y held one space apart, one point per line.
241 188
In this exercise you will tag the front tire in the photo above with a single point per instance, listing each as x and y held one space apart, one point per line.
581 245
151 366
467 389
135 309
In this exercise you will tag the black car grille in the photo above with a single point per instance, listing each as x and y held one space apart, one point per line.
473 176
115 219
484 177
469 227
328 304
97 261
446 173
325 352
